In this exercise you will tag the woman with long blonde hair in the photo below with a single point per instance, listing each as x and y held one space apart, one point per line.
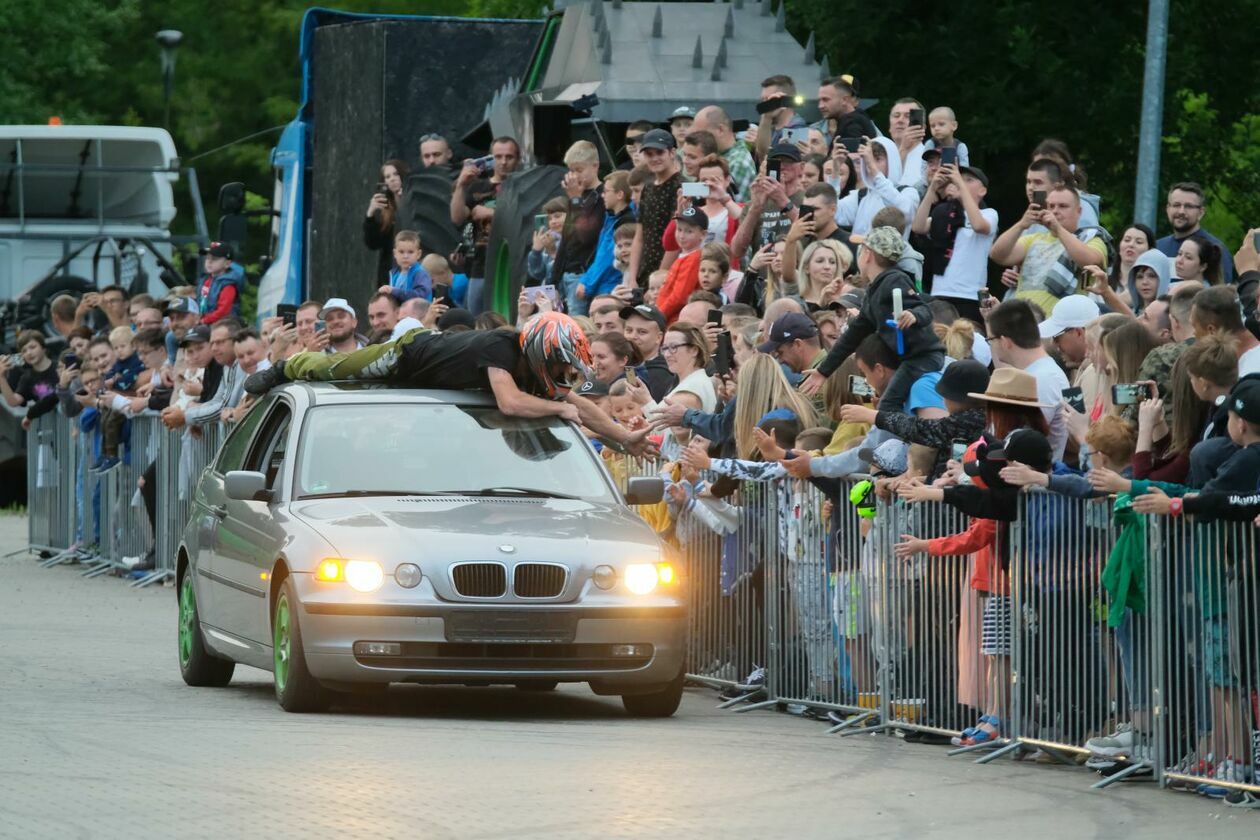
821 271
762 387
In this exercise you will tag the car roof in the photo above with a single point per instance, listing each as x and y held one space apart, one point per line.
357 393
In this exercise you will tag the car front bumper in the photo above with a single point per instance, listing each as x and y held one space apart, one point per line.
496 643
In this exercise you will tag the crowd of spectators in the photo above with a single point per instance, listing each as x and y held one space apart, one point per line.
796 302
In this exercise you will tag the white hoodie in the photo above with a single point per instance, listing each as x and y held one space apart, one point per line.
856 209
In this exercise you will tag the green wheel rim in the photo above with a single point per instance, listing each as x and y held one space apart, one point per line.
282 643
187 620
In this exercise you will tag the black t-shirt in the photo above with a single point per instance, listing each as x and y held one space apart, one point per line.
34 385
480 193
774 222
459 361
656 207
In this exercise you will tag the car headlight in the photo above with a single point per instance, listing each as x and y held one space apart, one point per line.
643 578
364 575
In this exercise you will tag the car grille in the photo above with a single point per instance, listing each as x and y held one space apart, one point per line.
539 580
480 580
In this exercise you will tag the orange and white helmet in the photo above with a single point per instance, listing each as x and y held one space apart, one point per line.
553 344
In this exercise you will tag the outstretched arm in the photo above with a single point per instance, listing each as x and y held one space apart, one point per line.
514 402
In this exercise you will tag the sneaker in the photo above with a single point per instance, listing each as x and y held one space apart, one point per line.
1242 799
838 717
1101 763
753 682
136 564
264 380
1119 742
105 464
795 708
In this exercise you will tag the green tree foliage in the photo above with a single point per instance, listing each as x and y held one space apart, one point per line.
1223 156
1016 72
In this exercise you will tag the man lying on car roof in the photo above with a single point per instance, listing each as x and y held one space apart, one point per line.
532 374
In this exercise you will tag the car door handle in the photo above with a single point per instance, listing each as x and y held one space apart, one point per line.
220 511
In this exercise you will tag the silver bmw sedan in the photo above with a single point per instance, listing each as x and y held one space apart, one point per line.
348 536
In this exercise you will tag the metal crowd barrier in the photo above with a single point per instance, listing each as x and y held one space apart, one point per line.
1205 605
842 625
97 518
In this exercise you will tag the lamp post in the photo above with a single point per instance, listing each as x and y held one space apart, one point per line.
1152 120
168 39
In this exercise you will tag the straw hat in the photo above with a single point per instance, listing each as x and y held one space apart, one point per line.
1013 387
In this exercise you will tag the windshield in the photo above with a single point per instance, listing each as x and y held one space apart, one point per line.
401 448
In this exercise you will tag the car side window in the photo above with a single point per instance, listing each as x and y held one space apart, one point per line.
232 453
267 454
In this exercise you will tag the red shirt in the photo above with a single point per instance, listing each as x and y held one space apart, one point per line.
979 540
683 279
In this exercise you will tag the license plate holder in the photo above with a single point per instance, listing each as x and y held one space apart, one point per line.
511 626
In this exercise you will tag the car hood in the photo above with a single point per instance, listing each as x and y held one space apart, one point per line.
392 529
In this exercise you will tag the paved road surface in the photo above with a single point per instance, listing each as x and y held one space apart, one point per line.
99 737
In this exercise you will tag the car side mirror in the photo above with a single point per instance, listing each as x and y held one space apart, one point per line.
645 490
246 486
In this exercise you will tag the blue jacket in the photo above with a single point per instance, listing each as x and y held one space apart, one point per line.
601 277
234 276
415 280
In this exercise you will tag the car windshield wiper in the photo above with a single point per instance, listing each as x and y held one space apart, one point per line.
337 494
530 492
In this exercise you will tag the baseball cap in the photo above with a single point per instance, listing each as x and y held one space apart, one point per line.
337 304
658 138
1244 399
784 150
1028 446
681 112
592 388
199 334
643 310
789 327
975 172
456 318
962 378
1069 313
692 216
216 249
885 241
889 457
931 152
183 305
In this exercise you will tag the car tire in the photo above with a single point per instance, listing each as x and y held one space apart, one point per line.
537 685
296 690
660 703
198 666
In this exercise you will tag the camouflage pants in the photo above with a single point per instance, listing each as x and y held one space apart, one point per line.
374 362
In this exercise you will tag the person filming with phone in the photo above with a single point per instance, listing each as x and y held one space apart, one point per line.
960 230
1051 259
472 206
383 213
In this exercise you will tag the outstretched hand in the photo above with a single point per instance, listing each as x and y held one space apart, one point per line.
812 383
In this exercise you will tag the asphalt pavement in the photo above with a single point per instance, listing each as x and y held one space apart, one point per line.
99 737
